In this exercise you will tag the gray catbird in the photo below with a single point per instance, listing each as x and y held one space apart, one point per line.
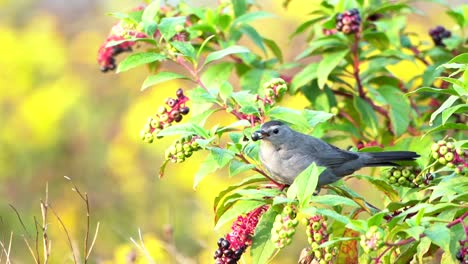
286 153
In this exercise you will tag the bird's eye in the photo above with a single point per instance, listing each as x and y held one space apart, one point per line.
275 131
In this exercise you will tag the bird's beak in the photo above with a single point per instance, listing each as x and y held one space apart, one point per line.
259 134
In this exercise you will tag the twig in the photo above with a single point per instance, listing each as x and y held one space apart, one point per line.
244 159
84 197
355 53
7 252
36 224
45 237
142 247
66 233
94 240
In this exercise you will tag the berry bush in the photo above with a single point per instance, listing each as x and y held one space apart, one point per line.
347 74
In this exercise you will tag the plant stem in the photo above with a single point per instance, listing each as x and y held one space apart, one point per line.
459 220
355 52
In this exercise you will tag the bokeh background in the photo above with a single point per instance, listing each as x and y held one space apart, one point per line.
60 116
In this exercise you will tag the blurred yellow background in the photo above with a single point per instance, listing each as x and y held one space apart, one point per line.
60 116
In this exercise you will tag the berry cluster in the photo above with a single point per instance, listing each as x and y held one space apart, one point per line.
274 90
438 34
402 176
317 234
446 154
226 255
164 117
119 32
372 240
349 21
462 254
182 149
231 248
284 227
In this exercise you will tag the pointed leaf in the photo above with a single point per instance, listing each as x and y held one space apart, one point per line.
225 52
328 63
305 184
137 59
159 78
262 246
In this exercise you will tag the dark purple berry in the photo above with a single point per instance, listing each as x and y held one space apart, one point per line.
178 118
220 241
219 261
228 253
218 253
231 261
225 244
184 110
180 93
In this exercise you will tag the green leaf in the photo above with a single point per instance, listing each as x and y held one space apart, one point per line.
216 75
377 39
239 208
399 108
137 59
249 17
327 212
185 48
168 25
366 113
254 36
316 117
275 49
329 62
305 184
221 156
208 166
236 167
415 231
239 6
447 113
253 79
434 90
307 74
225 91
250 180
225 52
333 200
262 246
161 77
148 17
448 126
439 235
462 58
422 248
290 116
448 103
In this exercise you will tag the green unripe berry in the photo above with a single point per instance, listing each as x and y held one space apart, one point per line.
406 172
411 177
188 154
397 173
279 218
287 210
187 147
291 232
341 105
282 89
334 110
155 123
450 145
179 147
269 92
314 245
317 254
180 155
457 170
316 226
386 173
402 180
149 138
450 164
295 222
392 179
435 155
164 118
441 142
180 160
442 160
459 151
322 261
318 237
443 150
162 110
328 257
435 147
448 156
172 150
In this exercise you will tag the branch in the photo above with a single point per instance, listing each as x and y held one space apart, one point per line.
244 159
459 220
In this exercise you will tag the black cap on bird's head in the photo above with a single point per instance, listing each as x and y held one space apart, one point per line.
267 129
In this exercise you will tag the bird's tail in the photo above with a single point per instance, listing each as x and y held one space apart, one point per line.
386 158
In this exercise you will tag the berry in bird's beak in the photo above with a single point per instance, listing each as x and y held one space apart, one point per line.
259 134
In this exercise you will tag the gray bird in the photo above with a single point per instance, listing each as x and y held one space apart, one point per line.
286 153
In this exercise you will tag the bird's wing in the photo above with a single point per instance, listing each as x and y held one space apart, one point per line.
332 157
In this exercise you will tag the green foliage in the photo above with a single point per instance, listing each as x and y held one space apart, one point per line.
355 93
